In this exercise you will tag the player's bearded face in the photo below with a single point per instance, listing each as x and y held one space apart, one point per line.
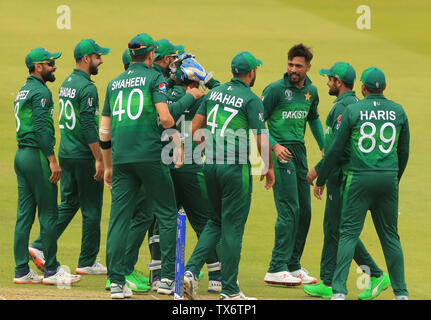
333 90
47 73
253 79
297 69
95 62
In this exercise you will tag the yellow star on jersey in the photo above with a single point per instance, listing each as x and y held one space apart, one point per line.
307 96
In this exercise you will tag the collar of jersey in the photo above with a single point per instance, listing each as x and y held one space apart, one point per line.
82 73
375 96
237 80
36 78
345 94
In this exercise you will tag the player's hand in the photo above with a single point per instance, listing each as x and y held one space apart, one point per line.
100 170
323 152
311 176
270 178
195 92
178 157
318 191
282 153
55 172
108 178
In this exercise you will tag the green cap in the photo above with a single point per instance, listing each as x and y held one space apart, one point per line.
40 55
244 62
373 78
88 46
165 48
126 57
141 44
342 71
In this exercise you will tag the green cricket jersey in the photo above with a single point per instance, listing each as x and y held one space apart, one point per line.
192 161
130 102
231 111
287 109
79 116
342 101
377 132
33 113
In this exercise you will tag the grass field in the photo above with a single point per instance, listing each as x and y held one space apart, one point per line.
215 31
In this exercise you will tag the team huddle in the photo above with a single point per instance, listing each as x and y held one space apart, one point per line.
172 137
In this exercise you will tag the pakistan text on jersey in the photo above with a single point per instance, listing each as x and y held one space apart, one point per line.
67 92
128 83
226 99
299 114
378 115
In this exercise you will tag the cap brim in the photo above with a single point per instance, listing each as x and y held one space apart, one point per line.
103 51
54 55
324 72
179 49
259 62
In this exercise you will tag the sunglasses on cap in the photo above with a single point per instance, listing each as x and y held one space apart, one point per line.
137 46
50 62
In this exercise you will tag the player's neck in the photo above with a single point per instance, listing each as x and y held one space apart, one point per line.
342 90
85 69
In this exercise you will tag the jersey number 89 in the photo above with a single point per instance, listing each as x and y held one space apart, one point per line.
370 136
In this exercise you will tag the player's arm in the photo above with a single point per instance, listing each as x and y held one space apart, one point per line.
199 121
43 135
105 146
334 153
255 116
178 107
87 111
403 148
270 100
315 124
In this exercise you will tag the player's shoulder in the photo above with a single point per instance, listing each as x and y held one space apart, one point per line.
276 85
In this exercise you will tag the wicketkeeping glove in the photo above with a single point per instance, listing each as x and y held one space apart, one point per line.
195 72
177 62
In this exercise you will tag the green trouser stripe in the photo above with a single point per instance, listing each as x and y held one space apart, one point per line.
349 177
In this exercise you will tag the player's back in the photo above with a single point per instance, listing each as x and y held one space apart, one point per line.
130 102
376 126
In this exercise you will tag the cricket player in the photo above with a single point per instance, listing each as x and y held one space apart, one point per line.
135 102
80 156
37 171
376 131
228 112
341 79
165 54
289 104
189 182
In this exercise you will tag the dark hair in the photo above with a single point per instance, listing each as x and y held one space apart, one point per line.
347 85
126 66
300 50
372 90
31 69
141 57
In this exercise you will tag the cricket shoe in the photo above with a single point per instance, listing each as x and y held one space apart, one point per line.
37 257
236 296
284 278
318 290
96 268
401 298
135 284
166 286
155 284
375 287
215 285
30 278
303 275
120 291
139 275
338 296
60 277
190 285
